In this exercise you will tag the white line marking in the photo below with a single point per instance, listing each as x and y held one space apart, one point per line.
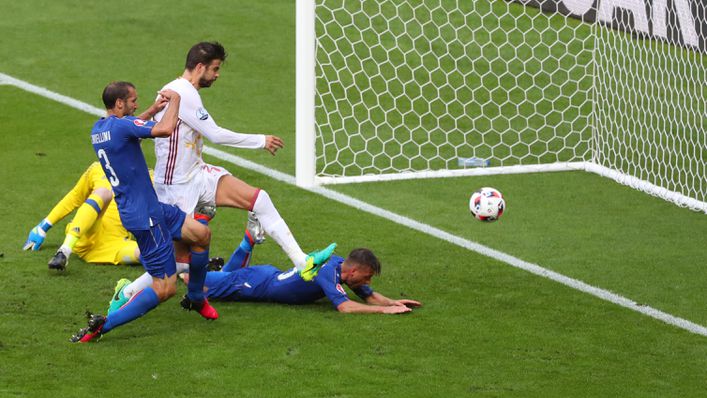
405 221
74 103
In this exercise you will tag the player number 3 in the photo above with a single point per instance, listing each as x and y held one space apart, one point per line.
114 181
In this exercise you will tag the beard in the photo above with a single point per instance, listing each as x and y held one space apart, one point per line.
204 83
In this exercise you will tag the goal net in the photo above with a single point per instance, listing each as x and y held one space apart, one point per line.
409 89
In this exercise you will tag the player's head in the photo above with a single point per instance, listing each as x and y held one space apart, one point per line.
359 267
120 98
204 60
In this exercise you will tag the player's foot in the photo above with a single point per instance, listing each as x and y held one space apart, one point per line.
202 307
315 260
216 263
255 229
119 298
92 331
59 261
321 256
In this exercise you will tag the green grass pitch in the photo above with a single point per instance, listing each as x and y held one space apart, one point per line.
486 329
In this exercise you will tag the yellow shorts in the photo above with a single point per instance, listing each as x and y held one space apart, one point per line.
109 251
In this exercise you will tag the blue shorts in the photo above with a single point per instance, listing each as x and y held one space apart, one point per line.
156 247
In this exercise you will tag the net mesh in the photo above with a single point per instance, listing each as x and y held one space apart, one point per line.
416 85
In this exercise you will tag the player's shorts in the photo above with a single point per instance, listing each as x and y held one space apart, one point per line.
201 190
109 251
156 248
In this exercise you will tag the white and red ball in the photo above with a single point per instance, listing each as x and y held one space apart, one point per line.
487 204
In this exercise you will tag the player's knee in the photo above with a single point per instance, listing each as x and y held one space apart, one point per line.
104 193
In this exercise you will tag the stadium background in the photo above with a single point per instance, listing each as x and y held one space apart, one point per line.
486 329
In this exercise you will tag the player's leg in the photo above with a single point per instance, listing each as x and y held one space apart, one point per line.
233 192
157 253
125 289
198 237
85 217
254 234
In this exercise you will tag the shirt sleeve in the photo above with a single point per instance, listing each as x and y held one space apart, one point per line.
330 284
140 128
195 115
364 291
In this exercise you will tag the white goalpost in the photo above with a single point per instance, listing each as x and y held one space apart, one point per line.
397 89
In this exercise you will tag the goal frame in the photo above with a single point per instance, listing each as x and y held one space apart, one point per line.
305 133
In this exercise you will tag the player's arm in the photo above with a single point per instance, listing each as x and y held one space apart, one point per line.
353 307
327 280
71 201
168 123
379 299
196 116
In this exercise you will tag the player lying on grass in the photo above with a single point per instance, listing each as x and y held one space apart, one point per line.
116 141
95 233
237 281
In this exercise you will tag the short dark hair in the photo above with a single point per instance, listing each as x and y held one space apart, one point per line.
204 53
365 258
115 91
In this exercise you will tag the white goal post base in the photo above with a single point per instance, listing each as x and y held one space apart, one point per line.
478 171
647 187
622 178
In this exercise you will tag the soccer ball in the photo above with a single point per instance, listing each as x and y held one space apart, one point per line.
487 204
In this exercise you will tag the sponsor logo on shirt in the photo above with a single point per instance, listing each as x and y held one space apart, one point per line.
202 114
139 122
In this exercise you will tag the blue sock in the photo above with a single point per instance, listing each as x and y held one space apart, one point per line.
197 275
139 305
240 257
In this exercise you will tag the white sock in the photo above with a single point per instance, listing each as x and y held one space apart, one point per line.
66 250
276 227
138 285
182 268
145 280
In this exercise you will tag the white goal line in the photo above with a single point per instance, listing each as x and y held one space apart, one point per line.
402 220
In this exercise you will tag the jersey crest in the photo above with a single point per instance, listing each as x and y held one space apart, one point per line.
202 114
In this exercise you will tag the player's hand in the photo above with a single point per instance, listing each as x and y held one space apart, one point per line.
168 94
273 143
35 239
396 309
159 104
408 303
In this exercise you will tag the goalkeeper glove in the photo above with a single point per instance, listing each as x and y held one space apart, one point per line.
36 236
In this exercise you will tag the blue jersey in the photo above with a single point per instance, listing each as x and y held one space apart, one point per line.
268 283
117 145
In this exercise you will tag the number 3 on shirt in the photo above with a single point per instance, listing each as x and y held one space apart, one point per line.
114 181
